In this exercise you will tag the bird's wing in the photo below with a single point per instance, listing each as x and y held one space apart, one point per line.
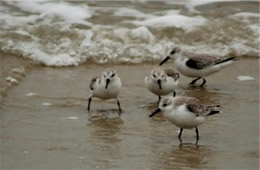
194 105
197 109
201 109
92 82
202 61
172 73
226 59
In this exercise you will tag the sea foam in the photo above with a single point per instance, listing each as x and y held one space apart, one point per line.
178 21
52 9
126 12
62 33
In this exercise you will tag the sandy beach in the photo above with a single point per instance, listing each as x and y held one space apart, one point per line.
50 51
45 124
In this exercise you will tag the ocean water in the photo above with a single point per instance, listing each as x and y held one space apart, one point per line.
69 33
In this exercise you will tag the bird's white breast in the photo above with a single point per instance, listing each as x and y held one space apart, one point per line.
183 118
112 90
167 86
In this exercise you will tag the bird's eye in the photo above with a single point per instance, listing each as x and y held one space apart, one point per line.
164 105
113 75
173 51
154 75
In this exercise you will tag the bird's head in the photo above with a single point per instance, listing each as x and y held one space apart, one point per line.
109 76
159 76
166 104
172 55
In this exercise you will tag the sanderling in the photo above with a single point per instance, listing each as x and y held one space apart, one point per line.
186 112
197 65
105 86
162 81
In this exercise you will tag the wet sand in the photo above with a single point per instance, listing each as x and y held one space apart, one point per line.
37 132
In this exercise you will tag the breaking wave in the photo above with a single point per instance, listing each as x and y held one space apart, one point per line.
70 33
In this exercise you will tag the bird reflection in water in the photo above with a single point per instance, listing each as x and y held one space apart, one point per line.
185 156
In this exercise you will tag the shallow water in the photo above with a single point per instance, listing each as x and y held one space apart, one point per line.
45 125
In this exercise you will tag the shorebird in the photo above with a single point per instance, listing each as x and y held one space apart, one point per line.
197 65
106 86
162 81
186 112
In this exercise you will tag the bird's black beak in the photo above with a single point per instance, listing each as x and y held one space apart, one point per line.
165 60
107 82
155 112
160 84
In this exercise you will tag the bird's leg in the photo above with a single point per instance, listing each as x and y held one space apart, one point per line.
159 99
89 101
197 134
179 136
194 81
173 93
204 82
118 104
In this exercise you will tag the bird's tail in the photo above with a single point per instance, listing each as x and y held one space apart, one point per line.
226 60
214 109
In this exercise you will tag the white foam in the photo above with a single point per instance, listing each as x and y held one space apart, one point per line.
255 28
205 2
245 78
30 94
57 33
46 104
61 60
217 50
51 9
122 34
172 12
245 15
241 48
22 32
19 71
36 53
26 152
3 9
11 21
11 80
128 45
250 19
70 118
178 21
127 12
142 33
